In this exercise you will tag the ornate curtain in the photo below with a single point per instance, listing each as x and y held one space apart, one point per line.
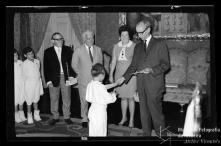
81 22
38 26
39 23
32 30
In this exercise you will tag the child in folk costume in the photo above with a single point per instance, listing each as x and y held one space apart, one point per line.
32 83
97 95
18 88
193 115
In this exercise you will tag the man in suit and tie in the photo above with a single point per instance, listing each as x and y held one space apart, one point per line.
83 58
58 73
151 61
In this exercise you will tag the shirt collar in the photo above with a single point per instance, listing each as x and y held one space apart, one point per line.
127 45
148 39
31 61
88 46
57 47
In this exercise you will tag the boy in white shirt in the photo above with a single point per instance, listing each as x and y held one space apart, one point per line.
98 96
32 83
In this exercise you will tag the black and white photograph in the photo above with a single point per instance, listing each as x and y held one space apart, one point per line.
112 73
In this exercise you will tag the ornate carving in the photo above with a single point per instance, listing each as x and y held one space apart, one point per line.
174 23
122 19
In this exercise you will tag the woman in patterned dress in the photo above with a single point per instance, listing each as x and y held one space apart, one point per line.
121 59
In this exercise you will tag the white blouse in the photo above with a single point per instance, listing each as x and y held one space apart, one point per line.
97 93
31 70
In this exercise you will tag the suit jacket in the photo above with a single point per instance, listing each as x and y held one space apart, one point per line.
52 65
156 57
81 63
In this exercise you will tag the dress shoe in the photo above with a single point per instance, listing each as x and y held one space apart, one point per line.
122 123
53 122
131 125
68 121
84 124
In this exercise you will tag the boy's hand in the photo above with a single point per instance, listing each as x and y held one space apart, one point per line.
120 80
111 79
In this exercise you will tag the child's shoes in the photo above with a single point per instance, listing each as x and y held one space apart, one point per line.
30 119
36 115
22 116
17 118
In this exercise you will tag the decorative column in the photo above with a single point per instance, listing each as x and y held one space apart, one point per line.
122 19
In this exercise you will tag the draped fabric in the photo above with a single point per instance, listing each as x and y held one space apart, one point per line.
25 39
39 23
38 26
32 30
81 22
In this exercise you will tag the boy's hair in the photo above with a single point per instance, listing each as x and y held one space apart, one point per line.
97 69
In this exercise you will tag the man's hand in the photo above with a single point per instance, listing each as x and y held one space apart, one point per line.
120 80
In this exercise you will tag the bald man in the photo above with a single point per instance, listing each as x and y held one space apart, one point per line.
151 61
83 58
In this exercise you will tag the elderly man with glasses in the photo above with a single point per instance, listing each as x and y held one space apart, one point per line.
149 63
58 73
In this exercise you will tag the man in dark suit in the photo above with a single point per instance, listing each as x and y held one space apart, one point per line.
150 61
58 73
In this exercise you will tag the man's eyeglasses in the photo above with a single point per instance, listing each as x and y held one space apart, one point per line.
143 31
60 39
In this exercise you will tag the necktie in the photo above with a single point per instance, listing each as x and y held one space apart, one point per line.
59 58
145 45
90 54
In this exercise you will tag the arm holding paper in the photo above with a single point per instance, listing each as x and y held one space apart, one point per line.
71 80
